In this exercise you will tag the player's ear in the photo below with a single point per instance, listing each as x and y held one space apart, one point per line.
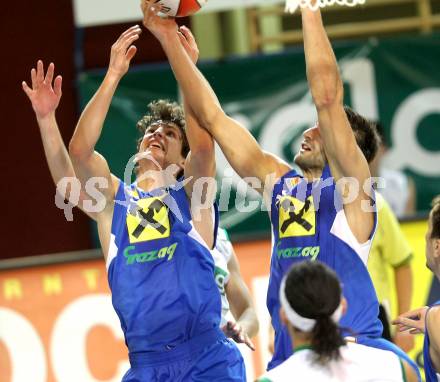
344 304
283 317
181 164
437 248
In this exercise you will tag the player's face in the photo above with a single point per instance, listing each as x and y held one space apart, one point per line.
163 141
432 247
311 154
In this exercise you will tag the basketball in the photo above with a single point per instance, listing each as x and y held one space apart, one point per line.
180 8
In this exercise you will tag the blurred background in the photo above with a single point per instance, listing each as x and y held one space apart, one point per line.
55 311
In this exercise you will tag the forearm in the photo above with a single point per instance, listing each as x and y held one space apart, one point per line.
249 322
322 69
403 283
197 91
55 150
58 159
90 124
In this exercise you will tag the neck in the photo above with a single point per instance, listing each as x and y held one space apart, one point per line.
312 173
151 177
299 339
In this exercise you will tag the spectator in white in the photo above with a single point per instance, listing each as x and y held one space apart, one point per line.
427 319
311 307
400 191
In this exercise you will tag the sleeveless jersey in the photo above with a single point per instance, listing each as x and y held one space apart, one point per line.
221 253
430 374
358 363
308 223
160 271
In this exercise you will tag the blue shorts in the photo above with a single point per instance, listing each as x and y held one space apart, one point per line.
208 357
381 343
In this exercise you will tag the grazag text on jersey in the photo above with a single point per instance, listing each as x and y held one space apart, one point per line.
296 252
144 257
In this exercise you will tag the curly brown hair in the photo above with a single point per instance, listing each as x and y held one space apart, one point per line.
164 111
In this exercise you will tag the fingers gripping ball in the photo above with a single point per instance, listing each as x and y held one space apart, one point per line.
179 8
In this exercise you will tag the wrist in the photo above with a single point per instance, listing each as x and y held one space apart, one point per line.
46 120
168 38
113 75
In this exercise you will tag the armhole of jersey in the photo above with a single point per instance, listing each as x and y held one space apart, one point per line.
194 234
342 231
113 248
216 222
112 251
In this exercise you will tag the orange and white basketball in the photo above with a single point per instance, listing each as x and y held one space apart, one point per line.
179 8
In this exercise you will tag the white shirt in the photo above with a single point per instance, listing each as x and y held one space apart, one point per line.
396 191
358 363
222 253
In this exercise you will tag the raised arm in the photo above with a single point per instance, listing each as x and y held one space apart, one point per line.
200 162
238 145
87 162
45 95
343 154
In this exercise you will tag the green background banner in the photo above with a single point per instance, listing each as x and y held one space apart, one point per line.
396 81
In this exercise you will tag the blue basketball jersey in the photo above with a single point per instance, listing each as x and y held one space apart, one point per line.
160 271
309 223
430 373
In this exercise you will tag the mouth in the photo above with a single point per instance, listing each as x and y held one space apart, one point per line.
157 145
305 147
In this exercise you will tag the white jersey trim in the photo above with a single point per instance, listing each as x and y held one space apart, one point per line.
194 234
112 251
342 230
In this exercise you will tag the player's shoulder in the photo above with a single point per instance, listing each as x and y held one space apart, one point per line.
222 234
297 364
367 352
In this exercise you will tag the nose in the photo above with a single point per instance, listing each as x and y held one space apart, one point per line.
158 132
311 132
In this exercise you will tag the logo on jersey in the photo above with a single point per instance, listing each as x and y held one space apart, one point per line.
296 252
148 220
296 218
220 277
145 257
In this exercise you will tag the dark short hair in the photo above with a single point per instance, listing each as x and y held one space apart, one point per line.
164 111
365 132
435 216
313 291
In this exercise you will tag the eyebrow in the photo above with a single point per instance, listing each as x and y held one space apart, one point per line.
170 125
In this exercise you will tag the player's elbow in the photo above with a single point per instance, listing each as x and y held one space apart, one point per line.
326 87
77 152
210 117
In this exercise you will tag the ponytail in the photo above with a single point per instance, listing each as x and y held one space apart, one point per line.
310 295
326 340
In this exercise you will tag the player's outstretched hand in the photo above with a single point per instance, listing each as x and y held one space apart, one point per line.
155 21
44 96
236 332
189 43
123 51
414 321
